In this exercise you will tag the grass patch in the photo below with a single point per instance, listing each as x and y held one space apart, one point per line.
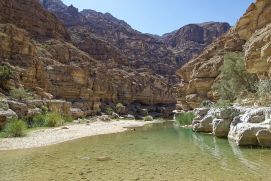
20 94
185 118
222 104
5 73
14 128
50 119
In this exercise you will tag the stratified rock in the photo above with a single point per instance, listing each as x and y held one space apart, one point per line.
190 40
19 108
59 106
29 15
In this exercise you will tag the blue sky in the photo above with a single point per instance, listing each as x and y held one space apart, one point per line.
163 16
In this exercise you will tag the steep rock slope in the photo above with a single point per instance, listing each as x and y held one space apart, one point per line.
251 35
190 40
43 60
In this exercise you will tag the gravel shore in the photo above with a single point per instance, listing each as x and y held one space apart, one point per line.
52 136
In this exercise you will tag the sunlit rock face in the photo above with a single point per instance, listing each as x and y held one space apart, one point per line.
255 28
251 35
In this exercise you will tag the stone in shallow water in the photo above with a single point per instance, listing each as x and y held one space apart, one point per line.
204 125
103 158
221 127
264 138
245 134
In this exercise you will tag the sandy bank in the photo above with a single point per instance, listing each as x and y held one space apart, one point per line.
52 136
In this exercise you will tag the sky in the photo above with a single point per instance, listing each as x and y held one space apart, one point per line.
164 16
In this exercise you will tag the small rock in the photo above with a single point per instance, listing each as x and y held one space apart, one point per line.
104 158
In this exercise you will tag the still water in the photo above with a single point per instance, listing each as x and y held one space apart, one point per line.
155 152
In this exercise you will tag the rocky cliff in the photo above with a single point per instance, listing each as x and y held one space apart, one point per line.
44 60
251 35
89 59
190 40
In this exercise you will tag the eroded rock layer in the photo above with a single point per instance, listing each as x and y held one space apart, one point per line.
251 35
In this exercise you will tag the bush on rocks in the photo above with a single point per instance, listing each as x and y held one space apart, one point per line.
5 73
185 118
120 108
20 94
234 78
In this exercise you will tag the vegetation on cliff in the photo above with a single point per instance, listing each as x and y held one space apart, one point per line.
234 79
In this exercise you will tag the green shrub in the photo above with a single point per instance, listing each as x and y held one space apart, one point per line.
15 128
120 108
49 119
264 88
222 104
3 105
54 119
67 119
5 73
37 121
20 94
44 109
109 110
148 118
185 118
234 78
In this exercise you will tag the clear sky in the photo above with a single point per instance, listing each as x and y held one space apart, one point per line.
163 16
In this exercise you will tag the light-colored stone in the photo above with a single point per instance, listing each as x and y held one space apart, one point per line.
6 115
264 138
18 107
221 127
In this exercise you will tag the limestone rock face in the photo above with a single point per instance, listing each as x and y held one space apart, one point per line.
190 40
252 35
199 74
30 15
258 52
256 17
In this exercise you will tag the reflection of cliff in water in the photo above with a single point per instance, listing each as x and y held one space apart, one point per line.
227 152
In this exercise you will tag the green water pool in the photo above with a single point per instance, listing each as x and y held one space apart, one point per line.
155 152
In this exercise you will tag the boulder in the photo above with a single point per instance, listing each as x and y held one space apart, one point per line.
201 111
34 112
105 118
221 127
244 134
18 107
6 115
77 113
204 125
144 112
226 113
264 138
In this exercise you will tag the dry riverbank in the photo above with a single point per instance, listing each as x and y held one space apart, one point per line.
52 136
